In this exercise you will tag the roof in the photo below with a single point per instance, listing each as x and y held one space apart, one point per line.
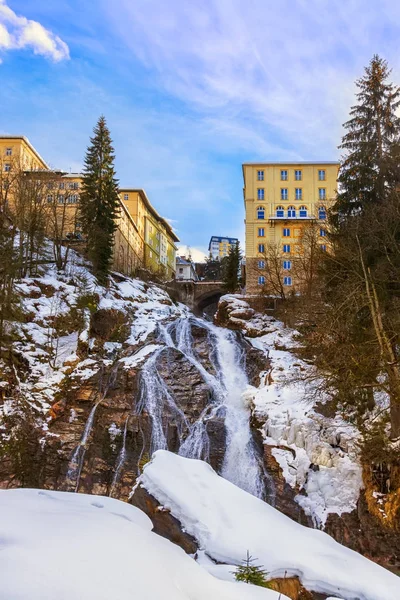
296 162
151 208
182 261
27 142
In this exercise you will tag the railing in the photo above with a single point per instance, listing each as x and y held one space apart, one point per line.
295 218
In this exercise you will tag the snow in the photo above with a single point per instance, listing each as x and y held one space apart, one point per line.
139 356
227 522
318 455
63 545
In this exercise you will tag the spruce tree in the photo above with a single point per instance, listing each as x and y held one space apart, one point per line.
231 269
366 173
250 573
99 202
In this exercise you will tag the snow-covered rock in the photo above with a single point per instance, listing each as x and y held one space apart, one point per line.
228 522
58 545
317 454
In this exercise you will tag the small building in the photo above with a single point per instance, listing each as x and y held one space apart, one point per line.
185 270
219 246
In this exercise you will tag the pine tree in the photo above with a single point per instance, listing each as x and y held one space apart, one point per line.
373 131
250 573
231 269
99 203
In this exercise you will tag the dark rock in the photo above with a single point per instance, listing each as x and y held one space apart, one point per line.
164 523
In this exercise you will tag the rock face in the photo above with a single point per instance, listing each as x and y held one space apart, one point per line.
164 523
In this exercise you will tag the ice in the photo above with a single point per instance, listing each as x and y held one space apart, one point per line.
58 545
228 521
317 454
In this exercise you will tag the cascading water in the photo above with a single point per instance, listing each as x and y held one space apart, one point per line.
241 464
76 462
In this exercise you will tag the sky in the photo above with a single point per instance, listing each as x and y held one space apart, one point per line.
190 89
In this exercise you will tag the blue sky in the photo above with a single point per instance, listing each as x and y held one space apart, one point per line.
190 89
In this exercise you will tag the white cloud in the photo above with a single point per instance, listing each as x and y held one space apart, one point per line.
196 253
18 32
279 74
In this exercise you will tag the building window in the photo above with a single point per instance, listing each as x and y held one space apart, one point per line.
286 248
321 175
287 265
72 199
322 232
71 186
291 212
286 232
287 281
323 247
61 199
284 175
261 232
284 193
261 264
49 199
303 211
7 167
260 193
8 151
260 212
62 185
180 269
261 248
261 280
322 193
76 186
298 192
297 175
260 175
322 212
126 196
280 211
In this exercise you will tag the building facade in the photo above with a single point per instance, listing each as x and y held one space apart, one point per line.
16 151
219 246
281 200
185 270
142 239
157 236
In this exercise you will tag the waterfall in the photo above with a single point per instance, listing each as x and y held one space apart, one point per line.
241 463
121 458
76 462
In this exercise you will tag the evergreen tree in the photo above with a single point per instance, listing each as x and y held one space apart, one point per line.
250 573
373 131
99 202
212 269
231 269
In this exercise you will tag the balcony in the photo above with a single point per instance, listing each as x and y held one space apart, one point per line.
296 218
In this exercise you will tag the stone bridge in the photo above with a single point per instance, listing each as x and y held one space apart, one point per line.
196 294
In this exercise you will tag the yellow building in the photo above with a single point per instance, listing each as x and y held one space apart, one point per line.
143 238
16 151
280 198
219 247
157 236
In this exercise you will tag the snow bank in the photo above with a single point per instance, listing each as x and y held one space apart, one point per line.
58 545
227 522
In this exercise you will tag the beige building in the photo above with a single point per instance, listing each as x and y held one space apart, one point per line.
158 240
280 199
143 238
